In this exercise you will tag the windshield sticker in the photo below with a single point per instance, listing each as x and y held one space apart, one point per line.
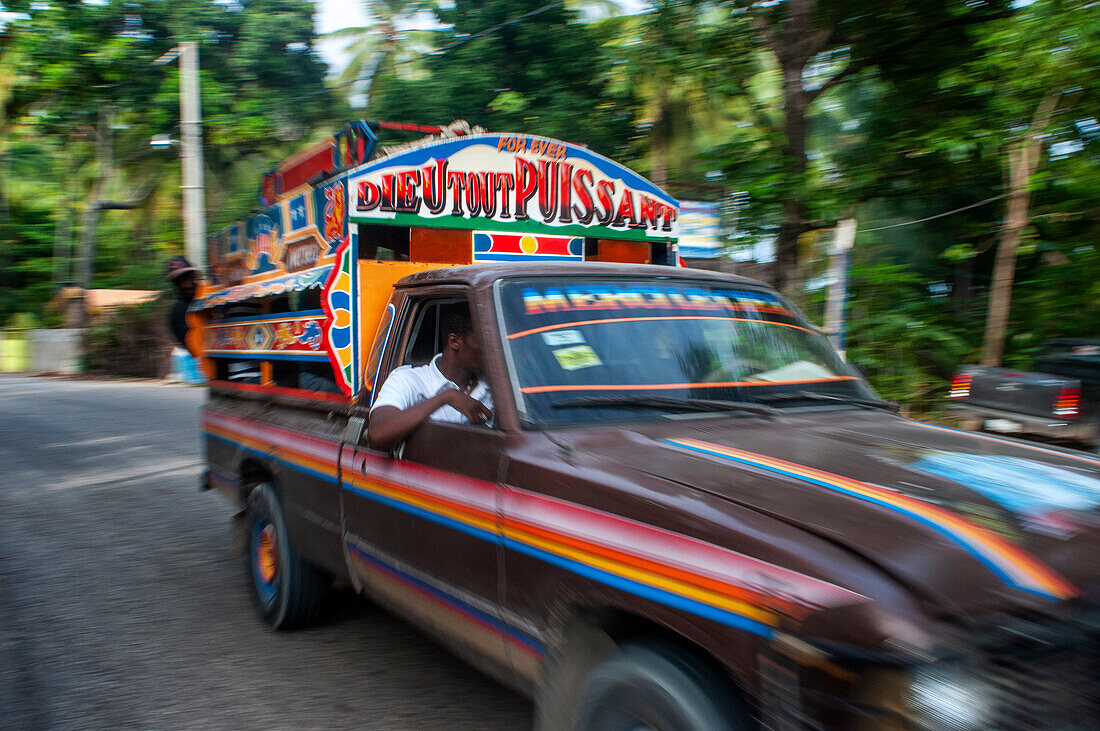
577 357
558 338
578 298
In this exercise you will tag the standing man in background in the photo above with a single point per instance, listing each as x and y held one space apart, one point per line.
184 278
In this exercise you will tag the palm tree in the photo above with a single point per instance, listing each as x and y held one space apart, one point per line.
386 39
676 62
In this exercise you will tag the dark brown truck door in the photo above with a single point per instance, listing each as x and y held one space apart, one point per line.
421 529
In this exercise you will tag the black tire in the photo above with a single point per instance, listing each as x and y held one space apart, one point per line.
288 591
655 687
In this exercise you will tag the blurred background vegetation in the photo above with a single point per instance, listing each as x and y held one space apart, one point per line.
958 133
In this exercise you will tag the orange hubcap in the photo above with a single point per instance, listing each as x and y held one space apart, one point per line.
268 558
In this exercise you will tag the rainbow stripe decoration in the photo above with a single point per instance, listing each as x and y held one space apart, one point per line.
1007 561
490 246
657 564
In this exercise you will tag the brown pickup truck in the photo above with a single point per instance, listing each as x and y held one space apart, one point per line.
687 513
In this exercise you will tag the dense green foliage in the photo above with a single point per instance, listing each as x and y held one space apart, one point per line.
892 113
546 74
82 94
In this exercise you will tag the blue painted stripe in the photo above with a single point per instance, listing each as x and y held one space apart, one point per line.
425 514
262 355
660 596
453 601
942 530
277 317
267 455
492 256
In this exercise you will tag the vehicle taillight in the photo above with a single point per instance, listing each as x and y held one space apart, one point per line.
960 385
1068 403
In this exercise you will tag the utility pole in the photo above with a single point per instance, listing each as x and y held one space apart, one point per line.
90 218
835 309
194 193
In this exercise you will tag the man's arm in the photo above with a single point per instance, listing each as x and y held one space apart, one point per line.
389 425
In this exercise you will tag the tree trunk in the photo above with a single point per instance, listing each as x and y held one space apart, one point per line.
1023 159
794 43
788 274
1004 269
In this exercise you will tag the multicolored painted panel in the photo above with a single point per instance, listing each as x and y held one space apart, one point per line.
341 326
490 246
295 234
309 279
296 337
514 183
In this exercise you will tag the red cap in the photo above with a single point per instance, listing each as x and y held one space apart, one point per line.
177 266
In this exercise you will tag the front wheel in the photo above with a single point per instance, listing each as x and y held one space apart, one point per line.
651 687
287 590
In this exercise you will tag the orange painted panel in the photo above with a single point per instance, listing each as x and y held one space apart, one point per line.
376 280
625 252
442 246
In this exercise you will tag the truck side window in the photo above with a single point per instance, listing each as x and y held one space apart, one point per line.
439 362
424 341
426 338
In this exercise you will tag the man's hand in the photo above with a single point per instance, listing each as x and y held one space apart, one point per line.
389 425
465 404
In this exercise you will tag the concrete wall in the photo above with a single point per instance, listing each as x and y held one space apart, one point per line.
40 351
55 351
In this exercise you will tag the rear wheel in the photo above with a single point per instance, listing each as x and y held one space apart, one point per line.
287 590
652 687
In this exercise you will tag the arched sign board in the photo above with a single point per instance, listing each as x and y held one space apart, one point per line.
511 183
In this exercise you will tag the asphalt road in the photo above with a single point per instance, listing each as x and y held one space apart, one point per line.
122 605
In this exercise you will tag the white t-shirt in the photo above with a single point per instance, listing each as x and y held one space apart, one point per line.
407 386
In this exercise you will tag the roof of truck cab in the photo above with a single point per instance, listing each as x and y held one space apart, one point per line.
483 274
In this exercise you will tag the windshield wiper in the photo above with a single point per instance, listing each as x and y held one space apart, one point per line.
814 396
665 402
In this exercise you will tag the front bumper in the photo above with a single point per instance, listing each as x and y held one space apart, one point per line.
1012 673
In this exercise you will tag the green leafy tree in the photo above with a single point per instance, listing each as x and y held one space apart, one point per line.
513 65
678 62
813 49
1039 83
387 39
80 84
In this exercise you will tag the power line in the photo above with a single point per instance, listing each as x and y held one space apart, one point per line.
938 215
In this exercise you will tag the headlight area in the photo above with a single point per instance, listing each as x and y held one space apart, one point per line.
857 694
805 687
1015 675
947 695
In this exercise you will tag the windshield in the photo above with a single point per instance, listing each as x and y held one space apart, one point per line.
592 349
